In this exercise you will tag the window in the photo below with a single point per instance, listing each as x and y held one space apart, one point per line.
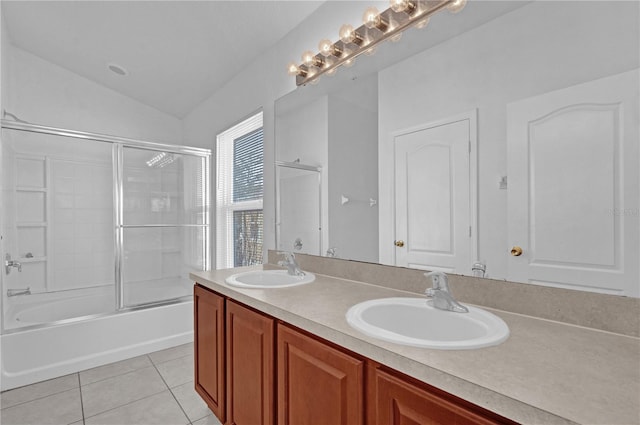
239 218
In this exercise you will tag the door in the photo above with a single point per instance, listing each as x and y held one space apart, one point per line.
250 367
395 401
57 231
298 212
208 315
573 187
433 206
164 224
317 384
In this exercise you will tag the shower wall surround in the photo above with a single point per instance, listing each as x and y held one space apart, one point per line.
82 223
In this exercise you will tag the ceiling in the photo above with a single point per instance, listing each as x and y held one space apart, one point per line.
177 53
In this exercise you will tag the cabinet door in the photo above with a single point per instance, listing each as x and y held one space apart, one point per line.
395 401
250 367
317 384
208 312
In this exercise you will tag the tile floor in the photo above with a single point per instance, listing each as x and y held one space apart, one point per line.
154 389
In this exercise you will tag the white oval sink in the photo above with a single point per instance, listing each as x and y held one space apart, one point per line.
268 279
412 321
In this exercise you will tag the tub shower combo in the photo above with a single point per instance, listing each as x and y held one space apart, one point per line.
99 234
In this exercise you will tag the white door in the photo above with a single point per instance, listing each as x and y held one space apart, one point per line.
432 198
573 186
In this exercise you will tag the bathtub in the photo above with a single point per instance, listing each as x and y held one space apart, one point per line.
37 353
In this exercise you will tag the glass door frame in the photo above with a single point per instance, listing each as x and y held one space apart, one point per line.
298 166
119 143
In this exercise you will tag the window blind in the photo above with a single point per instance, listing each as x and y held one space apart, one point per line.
239 179
248 166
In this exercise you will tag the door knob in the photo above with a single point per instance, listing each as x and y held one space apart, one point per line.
516 251
399 244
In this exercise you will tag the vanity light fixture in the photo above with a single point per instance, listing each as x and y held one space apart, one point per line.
376 28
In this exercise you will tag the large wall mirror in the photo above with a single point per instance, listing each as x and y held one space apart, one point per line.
499 142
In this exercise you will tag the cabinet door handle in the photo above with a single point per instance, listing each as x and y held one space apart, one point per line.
516 251
399 244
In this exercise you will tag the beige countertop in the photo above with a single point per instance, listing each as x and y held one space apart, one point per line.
545 373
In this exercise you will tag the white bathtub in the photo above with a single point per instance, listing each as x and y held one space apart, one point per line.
33 355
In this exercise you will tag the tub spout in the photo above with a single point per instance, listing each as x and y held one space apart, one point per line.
15 292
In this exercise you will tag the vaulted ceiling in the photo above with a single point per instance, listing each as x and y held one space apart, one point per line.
176 53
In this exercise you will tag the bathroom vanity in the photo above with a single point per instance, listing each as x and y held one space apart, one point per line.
288 356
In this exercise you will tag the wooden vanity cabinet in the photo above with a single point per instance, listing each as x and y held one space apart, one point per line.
395 399
208 315
250 366
317 383
251 370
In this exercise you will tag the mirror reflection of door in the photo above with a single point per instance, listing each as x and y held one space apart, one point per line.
433 197
298 221
573 186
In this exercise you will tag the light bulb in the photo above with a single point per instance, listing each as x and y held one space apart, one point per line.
403 6
398 5
423 23
308 58
349 35
371 17
325 47
292 69
457 6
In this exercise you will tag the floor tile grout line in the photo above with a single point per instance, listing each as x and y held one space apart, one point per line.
119 374
36 383
122 405
39 398
81 402
171 360
174 396
205 416
80 385
132 401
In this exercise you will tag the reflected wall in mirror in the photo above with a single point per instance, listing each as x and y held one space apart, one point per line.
337 131
298 191
553 90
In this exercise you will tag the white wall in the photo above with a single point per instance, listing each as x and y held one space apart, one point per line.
4 63
303 134
262 82
4 60
541 47
299 198
353 161
43 93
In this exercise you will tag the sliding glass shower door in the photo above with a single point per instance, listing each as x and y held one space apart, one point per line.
164 224
94 224
57 228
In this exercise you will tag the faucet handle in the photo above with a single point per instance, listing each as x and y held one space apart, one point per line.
439 280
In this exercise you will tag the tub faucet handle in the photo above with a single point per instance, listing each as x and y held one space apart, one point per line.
8 263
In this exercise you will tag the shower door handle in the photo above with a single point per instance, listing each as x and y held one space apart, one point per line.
8 263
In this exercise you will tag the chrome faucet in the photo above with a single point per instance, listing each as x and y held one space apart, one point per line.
15 292
8 263
291 264
441 294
